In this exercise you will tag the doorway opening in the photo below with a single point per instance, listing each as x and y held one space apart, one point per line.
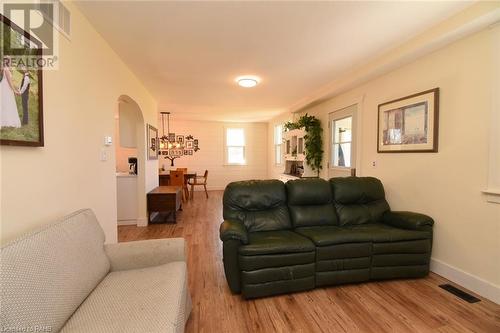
130 150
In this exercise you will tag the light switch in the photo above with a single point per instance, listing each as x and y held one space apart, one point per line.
103 155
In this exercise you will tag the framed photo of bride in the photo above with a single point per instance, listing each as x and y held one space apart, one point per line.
21 87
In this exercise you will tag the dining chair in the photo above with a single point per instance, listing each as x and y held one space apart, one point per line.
177 179
200 180
185 186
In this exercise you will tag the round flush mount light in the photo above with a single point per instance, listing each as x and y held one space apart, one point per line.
247 81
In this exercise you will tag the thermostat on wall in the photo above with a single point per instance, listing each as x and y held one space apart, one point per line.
108 140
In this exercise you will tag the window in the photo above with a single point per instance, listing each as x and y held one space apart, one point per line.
278 140
235 146
341 142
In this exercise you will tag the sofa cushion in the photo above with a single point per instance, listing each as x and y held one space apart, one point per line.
152 299
358 200
250 263
47 274
374 232
259 204
310 202
273 242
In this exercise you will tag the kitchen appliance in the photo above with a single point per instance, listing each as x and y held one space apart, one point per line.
132 165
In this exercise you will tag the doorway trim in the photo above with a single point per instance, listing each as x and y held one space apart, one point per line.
359 102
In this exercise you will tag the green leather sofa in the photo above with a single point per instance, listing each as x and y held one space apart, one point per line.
281 238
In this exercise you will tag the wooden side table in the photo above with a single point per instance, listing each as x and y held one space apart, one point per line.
164 199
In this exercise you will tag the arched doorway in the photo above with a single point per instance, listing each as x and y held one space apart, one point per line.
130 143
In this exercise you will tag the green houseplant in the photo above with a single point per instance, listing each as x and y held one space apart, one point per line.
313 139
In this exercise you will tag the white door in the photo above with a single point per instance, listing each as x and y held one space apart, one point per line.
342 142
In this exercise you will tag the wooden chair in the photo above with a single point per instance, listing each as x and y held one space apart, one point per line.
177 179
199 181
185 188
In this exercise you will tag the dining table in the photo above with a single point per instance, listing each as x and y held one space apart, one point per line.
165 177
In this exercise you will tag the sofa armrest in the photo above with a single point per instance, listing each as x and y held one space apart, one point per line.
408 220
230 229
146 253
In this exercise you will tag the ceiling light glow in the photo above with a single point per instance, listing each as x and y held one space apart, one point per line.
247 81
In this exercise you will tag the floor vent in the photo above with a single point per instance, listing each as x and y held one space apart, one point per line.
460 293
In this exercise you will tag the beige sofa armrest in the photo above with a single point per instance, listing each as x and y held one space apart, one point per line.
146 253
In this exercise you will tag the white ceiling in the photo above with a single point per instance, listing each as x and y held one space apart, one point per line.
189 53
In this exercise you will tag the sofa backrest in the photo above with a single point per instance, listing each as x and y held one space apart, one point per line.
358 200
47 274
310 202
259 204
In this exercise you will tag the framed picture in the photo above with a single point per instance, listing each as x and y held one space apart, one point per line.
171 137
152 142
180 139
409 124
164 152
189 144
21 118
186 152
190 152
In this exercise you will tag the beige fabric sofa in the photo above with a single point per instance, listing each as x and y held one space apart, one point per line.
64 278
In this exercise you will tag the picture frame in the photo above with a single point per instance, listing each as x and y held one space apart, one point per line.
152 142
22 122
180 139
171 137
409 124
189 144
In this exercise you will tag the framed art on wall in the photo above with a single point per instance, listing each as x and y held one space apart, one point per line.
152 142
21 118
409 124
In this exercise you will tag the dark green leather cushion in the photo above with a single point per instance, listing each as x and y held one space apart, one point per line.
374 232
310 202
273 242
259 204
358 200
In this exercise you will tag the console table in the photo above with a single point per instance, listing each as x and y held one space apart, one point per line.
164 199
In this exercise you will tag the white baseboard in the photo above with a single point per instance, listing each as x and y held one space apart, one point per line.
127 222
473 283
142 222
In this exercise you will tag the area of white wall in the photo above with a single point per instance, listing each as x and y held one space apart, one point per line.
39 185
211 154
446 185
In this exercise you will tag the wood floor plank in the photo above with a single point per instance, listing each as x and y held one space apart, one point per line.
413 305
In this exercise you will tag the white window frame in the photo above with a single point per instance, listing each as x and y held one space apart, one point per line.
278 144
226 146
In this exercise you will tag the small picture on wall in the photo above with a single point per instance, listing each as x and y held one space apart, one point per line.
180 139
189 144
409 124
165 152
152 142
186 152
171 137
190 152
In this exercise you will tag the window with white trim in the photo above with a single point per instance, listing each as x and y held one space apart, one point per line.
278 141
235 146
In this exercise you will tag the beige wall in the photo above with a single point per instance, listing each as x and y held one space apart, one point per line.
80 101
211 153
446 185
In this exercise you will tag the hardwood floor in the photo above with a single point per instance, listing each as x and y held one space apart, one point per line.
390 306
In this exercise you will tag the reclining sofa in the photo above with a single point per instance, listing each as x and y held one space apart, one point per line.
282 238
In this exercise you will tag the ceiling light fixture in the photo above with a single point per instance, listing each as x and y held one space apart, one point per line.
248 81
